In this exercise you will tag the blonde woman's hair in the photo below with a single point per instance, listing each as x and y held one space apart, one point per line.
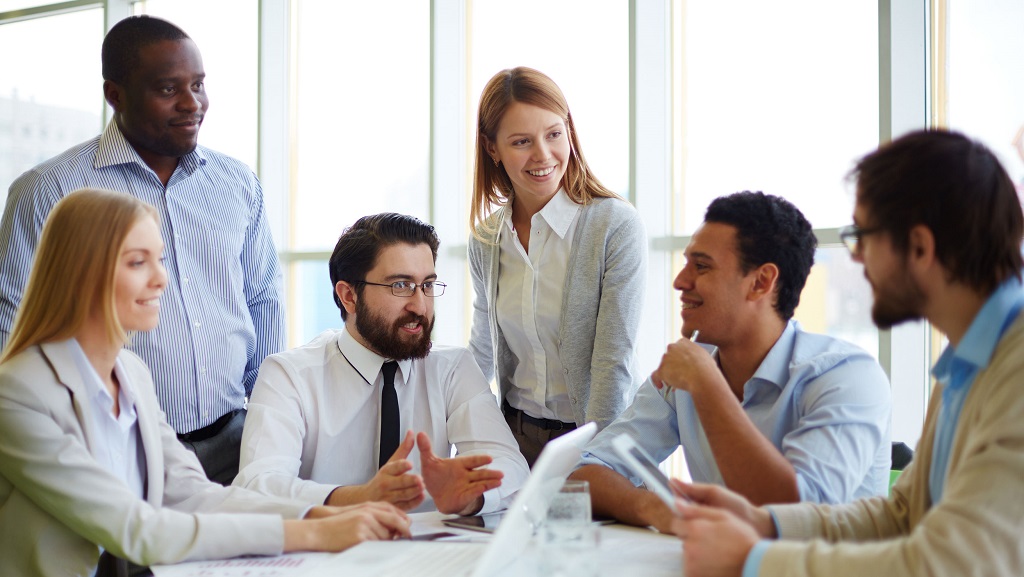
73 269
492 186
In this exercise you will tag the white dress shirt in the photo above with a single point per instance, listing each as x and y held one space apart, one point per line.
314 419
529 306
118 450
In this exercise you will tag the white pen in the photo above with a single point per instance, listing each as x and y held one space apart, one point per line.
667 390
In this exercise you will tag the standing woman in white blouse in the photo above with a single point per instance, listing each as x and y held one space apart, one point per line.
87 462
558 264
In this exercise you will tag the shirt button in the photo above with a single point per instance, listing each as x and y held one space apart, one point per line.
184 280
206 413
198 324
566 371
202 370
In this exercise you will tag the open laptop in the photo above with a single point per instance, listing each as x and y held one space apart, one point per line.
382 558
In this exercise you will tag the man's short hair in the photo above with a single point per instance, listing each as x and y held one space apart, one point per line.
357 249
954 186
120 51
770 229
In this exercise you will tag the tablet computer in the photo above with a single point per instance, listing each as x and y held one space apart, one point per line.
488 522
643 465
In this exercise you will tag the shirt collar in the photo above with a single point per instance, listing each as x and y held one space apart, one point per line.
94 385
775 366
366 362
114 149
979 342
558 213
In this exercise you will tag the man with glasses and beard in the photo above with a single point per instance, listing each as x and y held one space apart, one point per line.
336 421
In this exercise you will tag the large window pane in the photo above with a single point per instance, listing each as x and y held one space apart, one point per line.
590 63
362 115
837 300
361 118
775 96
51 98
9 5
985 86
227 34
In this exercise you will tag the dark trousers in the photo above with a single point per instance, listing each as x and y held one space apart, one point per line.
531 437
110 566
218 446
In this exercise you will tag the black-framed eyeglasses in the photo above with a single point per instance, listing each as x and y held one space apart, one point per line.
851 235
404 288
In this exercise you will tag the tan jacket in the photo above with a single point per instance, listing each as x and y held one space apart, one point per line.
976 529
57 503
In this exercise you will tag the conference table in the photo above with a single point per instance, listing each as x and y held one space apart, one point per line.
621 551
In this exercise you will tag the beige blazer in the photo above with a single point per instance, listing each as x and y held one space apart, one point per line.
58 505
976 529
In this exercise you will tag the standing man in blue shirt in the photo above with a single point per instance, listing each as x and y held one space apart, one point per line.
221 313
776 414
938 227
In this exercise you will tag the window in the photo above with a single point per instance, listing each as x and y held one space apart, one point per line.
766 102
590 63
362 135
983 87
227 34
42 115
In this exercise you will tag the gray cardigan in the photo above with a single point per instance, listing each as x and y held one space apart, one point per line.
601 310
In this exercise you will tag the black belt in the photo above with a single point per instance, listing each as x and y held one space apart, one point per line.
546 424
208 431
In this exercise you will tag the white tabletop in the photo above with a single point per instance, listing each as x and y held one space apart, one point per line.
622 551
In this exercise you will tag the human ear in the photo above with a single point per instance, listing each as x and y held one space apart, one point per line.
920 246
765 278
346 295
490 148
114 95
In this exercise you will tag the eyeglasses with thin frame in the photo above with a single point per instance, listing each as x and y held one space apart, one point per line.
851 235
404 288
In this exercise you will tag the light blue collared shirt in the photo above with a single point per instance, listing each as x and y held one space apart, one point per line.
221 313
958 366
119 450
823 403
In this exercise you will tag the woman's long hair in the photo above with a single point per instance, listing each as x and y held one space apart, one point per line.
491 184
73 271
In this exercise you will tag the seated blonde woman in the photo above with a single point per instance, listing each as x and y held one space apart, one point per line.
87 462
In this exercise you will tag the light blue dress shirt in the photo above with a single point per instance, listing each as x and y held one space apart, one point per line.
823 403
958 366
220 314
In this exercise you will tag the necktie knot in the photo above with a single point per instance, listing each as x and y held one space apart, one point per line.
389 369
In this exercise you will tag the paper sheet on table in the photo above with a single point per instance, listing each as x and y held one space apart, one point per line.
281 566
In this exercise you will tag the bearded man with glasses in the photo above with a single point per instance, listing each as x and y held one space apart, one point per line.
336 421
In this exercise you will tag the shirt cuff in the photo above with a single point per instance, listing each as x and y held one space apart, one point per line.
492 502
775 522
753 563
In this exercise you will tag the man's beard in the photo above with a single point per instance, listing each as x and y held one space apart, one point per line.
386 339
898 301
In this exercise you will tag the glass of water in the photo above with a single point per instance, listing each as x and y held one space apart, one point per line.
569 537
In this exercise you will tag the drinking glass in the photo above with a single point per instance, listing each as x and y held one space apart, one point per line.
570 538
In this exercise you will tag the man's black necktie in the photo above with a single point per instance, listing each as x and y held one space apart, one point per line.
389 421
